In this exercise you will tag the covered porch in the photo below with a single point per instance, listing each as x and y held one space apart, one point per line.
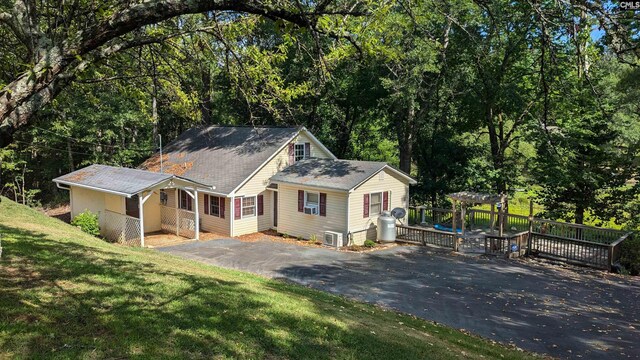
132 203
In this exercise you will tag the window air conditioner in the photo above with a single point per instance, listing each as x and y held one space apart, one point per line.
332 238
311 209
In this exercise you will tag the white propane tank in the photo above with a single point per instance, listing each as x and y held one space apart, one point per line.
386 227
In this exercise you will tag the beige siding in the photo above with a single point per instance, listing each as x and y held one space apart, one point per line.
152 213
211 223
257 186
84 199
364 228
113 202
171 198
298 224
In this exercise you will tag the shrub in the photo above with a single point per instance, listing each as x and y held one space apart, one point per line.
87 222
369 243
630 257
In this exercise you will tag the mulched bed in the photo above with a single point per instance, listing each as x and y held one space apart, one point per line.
60 212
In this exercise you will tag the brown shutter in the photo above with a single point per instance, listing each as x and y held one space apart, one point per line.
260 204
222 205
300 200
291 154
323 204
365 209
307 150
385 200
206 204
237 208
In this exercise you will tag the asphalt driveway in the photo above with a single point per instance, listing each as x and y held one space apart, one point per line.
546 309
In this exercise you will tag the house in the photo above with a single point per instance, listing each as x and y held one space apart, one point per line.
239 180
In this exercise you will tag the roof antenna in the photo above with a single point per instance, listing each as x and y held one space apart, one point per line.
161 167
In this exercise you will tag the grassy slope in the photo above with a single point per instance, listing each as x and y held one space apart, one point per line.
64 294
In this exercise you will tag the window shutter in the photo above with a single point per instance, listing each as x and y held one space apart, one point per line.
260 204
323 204
385 200
291 154
206 204
237 208
307 150
366 206
300 201
222 205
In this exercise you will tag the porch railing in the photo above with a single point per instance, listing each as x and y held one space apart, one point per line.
178 221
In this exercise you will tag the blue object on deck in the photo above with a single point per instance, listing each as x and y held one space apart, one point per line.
444 228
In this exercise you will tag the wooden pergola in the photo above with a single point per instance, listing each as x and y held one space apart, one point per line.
469 197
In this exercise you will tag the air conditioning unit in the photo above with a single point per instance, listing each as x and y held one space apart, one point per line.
311 209
332 238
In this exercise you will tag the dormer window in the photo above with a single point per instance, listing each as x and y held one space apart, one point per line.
299 152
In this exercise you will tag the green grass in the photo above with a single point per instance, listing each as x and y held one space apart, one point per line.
64 294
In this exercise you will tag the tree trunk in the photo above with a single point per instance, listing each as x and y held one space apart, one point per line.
405 128
70 156
579 217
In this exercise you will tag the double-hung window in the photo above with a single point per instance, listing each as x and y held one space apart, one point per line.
311 198
375 204
248 206
214 205
299 152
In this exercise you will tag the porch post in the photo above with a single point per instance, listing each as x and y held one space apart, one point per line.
141 210
453 225
177 197
195 192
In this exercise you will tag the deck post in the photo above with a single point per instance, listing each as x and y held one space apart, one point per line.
453 225
501 219
463 210
530 227
422 220
197 217
492 216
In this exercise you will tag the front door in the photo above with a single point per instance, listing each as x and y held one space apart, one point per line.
275 209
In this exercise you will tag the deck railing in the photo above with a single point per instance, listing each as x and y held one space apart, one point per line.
424 236
571 243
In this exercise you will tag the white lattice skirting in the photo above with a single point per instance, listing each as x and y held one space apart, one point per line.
120 228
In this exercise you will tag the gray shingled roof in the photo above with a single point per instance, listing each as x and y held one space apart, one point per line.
222 156
114 179
328 173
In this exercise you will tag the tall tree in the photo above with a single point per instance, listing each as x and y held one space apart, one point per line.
60 40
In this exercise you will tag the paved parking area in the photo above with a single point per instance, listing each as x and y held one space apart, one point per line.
547 309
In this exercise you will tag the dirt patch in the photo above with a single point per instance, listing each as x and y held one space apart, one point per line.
60 212
362 248
271 235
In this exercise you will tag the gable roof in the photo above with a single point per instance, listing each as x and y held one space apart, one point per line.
343 175
224 156
116 180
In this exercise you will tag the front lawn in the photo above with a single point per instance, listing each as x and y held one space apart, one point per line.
64 294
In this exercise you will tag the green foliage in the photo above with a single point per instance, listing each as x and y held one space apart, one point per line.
630 258
369 243
87 222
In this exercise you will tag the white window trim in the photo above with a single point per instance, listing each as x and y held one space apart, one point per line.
305 201
304 151
371 214
255 206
